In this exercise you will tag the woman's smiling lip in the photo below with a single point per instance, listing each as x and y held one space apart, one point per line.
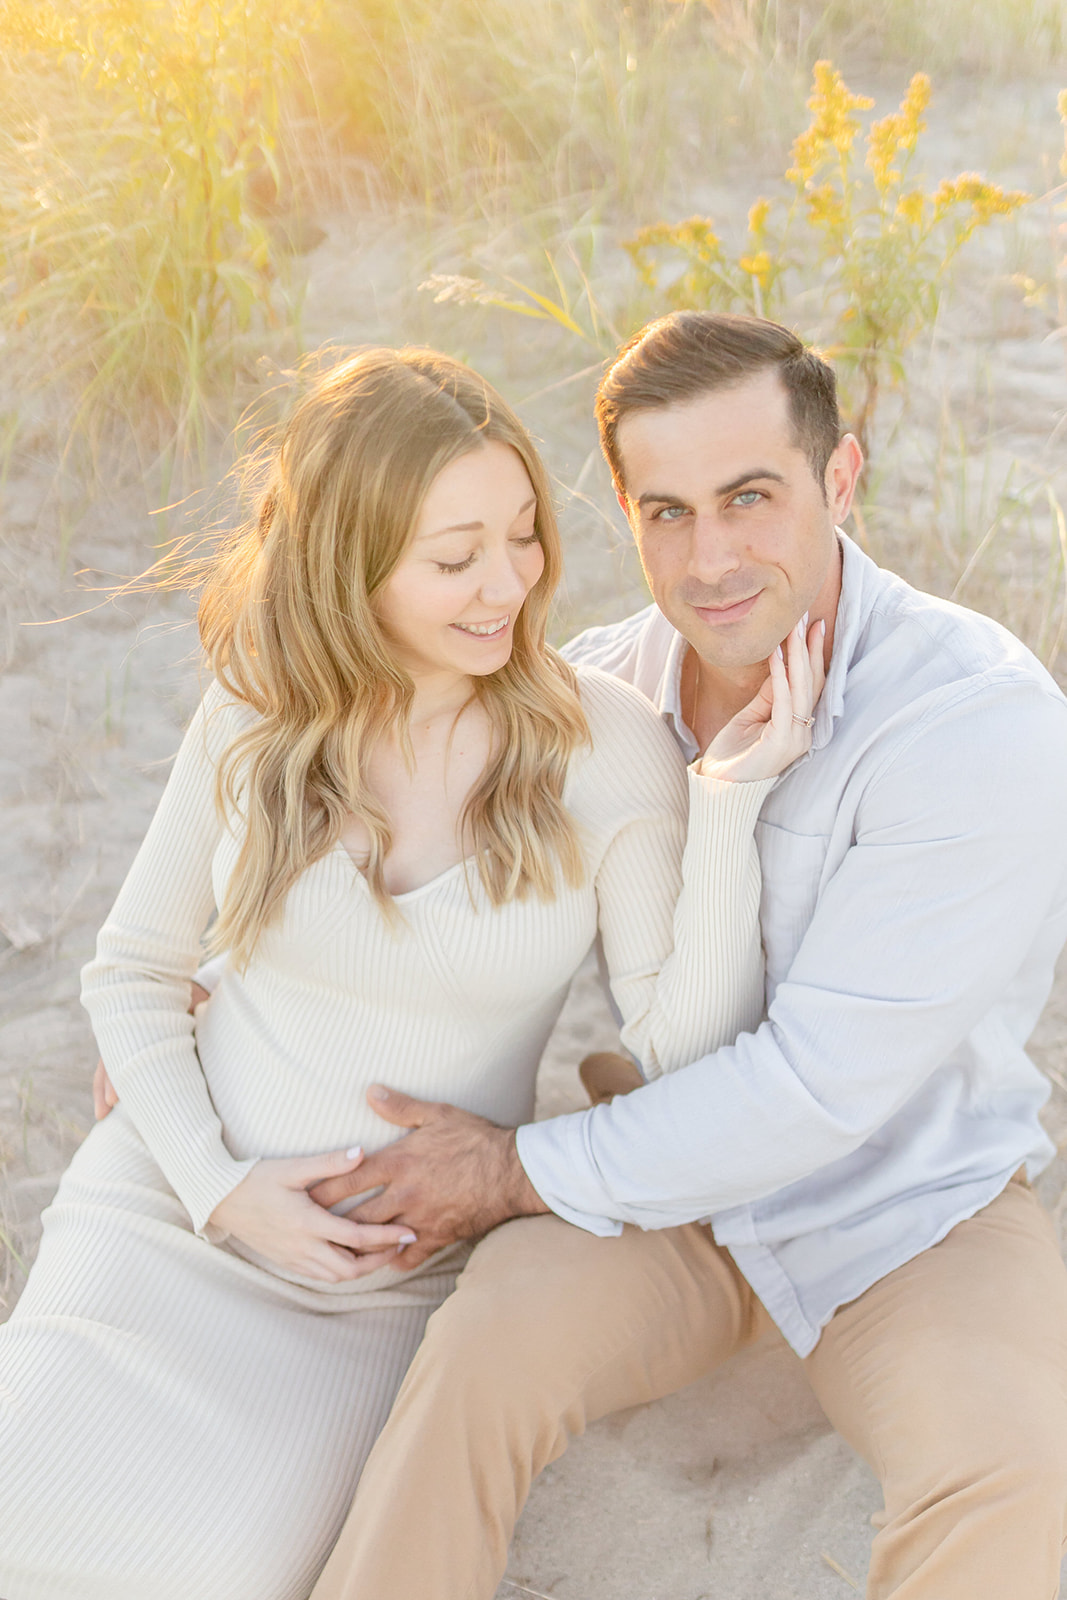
483 630
733 613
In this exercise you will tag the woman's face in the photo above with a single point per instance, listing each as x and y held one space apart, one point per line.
450 605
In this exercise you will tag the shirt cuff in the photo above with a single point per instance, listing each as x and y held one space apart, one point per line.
193 1159
209 974
555 1157
210 1189
722 800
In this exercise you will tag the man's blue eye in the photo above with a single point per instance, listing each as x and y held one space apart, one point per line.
670 513
747 497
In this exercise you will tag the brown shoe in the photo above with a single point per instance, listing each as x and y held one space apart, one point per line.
606 1074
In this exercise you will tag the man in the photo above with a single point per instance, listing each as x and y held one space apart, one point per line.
863 1155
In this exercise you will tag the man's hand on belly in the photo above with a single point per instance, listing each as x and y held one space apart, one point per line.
455 1176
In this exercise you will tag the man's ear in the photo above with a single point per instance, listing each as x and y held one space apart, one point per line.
624 503
842 475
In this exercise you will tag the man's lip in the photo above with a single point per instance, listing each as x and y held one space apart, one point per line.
717 615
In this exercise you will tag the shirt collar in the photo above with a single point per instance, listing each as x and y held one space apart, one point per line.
858 573
853 608
669 699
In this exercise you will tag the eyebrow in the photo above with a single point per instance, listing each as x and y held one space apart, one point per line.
476 527
764 473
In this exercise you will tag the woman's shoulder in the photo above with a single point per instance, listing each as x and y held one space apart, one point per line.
616 711
220 718
633 760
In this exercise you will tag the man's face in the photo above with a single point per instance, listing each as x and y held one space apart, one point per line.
734 534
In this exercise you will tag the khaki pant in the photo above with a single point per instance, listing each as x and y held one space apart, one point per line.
949 1376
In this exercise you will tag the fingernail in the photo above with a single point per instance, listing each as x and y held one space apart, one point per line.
822 628
779 653
402 1247
355 1153
803 628
376 1092
408 1238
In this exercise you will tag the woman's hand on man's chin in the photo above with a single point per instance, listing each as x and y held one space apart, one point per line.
774 729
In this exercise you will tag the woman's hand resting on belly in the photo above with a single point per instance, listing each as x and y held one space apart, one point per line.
271 1211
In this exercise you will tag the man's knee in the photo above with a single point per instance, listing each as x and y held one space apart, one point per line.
534 1300
998 1452
480 1335
545 1309
1028 1460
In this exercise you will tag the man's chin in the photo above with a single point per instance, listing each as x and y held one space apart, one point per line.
727 645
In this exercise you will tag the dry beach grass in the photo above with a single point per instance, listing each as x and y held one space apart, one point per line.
301 196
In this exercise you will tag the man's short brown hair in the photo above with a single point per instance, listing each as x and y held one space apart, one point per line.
690 353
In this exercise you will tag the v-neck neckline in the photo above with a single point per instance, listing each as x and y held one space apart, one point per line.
405 894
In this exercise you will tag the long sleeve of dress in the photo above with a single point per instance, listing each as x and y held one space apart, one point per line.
680 931
136 989
685 981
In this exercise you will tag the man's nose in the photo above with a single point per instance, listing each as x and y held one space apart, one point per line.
713 553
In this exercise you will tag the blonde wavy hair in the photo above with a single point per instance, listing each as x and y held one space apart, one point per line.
288 620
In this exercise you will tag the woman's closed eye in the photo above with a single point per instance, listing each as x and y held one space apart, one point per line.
523 541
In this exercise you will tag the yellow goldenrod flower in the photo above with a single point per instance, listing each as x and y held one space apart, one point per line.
912 206
883 143
897 133
914 103
832 125
985 199
757 218
757 266
698 235
695 237
825 209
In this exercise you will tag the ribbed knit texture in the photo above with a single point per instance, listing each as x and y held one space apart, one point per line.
179 1420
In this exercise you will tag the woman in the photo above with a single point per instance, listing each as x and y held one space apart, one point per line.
411 817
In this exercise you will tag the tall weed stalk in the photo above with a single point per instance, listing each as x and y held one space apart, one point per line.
497 108
139 164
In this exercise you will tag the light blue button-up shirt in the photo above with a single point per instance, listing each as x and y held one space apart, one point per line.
914 904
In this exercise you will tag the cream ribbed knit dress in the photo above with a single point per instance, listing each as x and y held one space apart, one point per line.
180 1420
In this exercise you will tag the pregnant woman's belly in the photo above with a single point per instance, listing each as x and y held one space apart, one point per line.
454 1003
288 1067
